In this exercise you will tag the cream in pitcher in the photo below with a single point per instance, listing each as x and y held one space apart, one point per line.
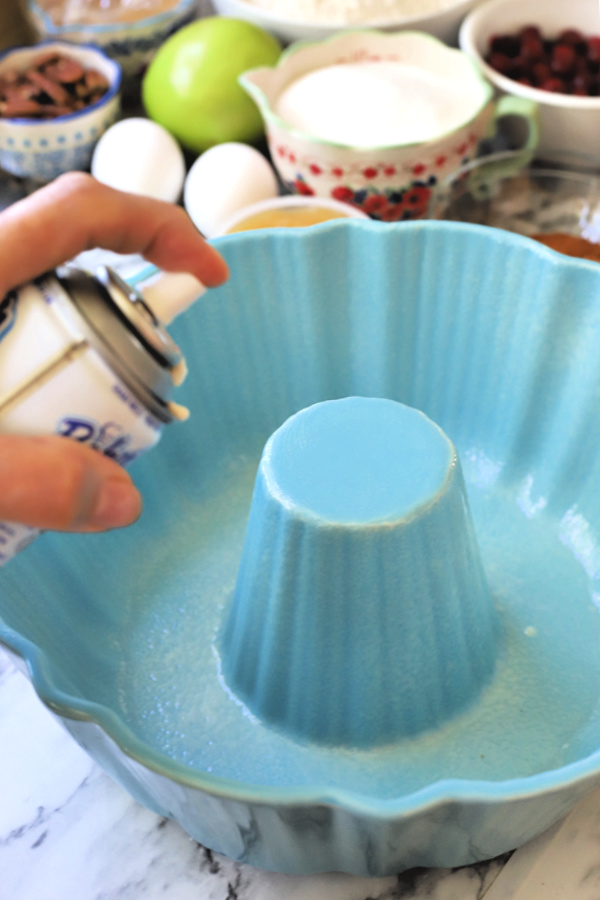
377 103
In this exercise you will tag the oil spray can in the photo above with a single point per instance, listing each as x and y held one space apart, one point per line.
86 357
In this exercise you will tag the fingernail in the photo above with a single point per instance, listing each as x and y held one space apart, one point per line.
118 504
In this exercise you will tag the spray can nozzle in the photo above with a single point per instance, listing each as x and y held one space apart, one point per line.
167 294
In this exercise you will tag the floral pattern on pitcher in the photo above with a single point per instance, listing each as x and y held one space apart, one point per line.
384 191
391 205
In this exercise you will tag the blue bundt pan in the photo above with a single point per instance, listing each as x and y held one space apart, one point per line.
495 338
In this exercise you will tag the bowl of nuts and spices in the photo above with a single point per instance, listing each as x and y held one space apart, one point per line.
56 100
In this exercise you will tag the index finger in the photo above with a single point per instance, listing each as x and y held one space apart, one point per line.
75 213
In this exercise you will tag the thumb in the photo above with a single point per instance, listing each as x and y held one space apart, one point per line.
53 482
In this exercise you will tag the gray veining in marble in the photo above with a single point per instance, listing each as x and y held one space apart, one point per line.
67 831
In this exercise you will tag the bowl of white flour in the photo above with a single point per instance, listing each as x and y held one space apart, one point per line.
293 20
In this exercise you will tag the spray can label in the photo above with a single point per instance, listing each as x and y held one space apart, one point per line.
7 313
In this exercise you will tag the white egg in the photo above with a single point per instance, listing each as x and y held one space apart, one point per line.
140 156
226 178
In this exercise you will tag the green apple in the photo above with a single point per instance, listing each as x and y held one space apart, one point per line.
191 86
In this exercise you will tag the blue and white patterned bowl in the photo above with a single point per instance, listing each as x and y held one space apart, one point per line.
131 44
42 149
495 338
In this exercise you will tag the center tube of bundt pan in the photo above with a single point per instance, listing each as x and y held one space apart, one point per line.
361 613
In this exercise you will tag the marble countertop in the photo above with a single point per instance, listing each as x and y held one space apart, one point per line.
67 831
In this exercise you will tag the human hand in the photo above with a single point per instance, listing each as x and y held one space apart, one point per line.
49 481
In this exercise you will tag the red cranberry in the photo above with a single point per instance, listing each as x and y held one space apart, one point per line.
554 85
506 44
593 49
501 63
541 72
581 83
563 59
532 50
571 36
530 32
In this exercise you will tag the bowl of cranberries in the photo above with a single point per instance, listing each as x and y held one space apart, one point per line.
547 51
567 63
